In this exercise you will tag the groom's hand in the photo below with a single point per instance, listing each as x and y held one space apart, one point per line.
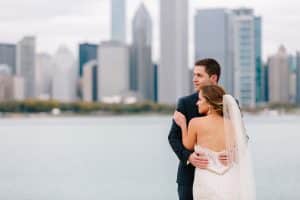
224 159
198 160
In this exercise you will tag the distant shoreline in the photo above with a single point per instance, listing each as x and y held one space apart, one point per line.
55 108
72 114
37 108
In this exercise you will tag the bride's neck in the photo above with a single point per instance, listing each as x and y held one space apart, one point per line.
213 114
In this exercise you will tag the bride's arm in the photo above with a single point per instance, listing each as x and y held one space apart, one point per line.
189 140
189 135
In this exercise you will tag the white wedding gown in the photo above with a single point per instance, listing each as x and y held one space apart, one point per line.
233 182
217 182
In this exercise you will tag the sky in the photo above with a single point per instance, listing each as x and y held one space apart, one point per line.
69 22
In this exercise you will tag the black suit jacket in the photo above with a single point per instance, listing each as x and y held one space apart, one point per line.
187 106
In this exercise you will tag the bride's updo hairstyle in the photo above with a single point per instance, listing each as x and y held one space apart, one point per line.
214 97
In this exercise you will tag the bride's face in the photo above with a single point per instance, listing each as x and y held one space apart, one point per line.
202 104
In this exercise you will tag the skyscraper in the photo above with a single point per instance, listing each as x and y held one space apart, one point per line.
173 68
298 78
113 70
279 77
141 67
64 76
87 52
44 70
8 56
214 39
90 81
26 67
265 83
244 57
292 78
155 84
118 20
11 86
6 91
258 58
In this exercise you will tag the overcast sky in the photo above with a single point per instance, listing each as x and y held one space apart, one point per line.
69 22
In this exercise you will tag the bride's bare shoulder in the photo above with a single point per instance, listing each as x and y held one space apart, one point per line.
198 120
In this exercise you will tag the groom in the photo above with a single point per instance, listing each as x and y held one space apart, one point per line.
206 71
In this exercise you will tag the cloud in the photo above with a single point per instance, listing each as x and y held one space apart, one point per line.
64 19
39 10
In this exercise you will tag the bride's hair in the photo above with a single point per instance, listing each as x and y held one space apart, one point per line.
214 96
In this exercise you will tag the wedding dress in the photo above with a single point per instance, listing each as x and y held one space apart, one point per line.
234 181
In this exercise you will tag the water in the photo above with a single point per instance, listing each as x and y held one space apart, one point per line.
127 158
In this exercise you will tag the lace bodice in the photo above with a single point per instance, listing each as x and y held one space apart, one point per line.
214 165
217 181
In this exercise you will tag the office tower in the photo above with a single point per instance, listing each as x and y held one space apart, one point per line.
90 82
214 39
141 67
87 52
298 78
44 70
8 56
244 57
258 58
118 20
279 77
173 68
26 66
64 76
113 70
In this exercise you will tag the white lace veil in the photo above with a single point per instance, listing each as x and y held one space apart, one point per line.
238 151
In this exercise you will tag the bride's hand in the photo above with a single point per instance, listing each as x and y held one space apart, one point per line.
180 119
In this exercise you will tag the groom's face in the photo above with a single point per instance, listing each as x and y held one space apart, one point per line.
200 77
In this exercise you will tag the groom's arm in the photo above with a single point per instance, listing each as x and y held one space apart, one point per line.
175 137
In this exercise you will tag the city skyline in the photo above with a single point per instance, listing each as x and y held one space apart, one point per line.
231 36
74 23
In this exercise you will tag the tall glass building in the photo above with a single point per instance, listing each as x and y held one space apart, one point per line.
173 68
298 78
118 20
113 74
244 57
26 65
8 56
279 77
258 58
214 39
87 52
141 68
265 83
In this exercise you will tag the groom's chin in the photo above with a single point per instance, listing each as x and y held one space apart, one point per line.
196 88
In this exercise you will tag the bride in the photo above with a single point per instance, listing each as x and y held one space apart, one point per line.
220 131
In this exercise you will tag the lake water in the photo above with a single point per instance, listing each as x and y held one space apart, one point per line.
128 158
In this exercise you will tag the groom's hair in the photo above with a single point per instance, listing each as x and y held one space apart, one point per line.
212 67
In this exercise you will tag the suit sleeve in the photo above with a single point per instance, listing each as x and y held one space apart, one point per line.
175 137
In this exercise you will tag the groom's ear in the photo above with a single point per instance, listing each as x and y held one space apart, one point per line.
214 78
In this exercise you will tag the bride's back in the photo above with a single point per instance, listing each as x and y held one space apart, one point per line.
211 133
